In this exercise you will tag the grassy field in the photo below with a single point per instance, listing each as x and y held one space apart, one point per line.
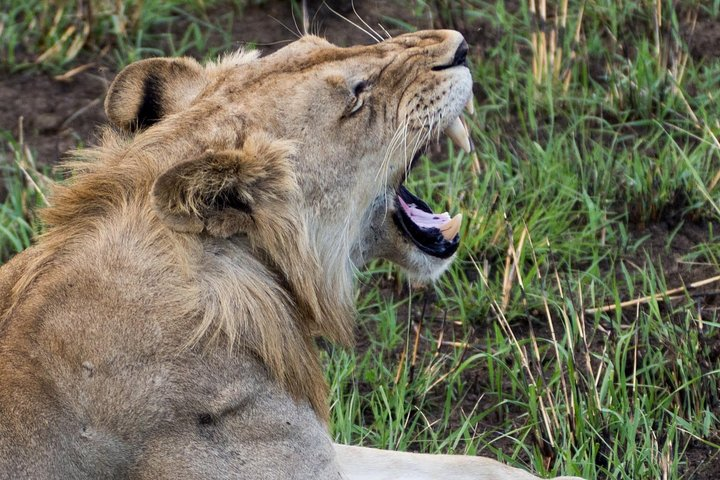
578 331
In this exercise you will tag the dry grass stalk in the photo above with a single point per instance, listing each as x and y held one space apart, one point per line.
547 39
512 265
26 164
583 336
401 365
507 329
542 44
567 76
670 294
568 333
74 71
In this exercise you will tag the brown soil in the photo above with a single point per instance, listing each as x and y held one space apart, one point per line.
55 116
666 246
704 40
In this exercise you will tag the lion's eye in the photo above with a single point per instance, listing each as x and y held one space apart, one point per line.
358 90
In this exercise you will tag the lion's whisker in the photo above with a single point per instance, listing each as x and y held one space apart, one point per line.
420 140
404 131
395 142
297 27
415 147
297 34
270 44
378 40
317 23
379 37
386 32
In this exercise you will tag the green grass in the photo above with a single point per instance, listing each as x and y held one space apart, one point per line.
56 36
22 188
572 173
577 163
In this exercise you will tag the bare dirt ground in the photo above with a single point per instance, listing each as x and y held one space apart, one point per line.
704 39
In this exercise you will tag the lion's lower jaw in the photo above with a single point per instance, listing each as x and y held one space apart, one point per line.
425 269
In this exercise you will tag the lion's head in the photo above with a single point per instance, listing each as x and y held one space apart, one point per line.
285 170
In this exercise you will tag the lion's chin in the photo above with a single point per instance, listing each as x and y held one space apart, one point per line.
423 268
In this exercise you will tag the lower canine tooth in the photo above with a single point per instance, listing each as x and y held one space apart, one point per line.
457 133
470 107
451 228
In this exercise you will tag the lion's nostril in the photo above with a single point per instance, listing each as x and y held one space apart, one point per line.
460 57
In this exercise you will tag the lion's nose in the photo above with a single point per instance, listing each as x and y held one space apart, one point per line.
459 58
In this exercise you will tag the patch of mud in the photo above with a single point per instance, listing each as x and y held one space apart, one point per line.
56 116
704 39
703 461
666 246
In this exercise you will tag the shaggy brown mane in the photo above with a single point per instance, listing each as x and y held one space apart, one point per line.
263 301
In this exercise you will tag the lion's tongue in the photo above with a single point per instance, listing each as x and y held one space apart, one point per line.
449 227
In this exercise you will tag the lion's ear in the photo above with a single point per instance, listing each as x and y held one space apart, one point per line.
254 191
227 192
146 91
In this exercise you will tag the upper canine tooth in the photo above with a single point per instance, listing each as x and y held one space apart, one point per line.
470 106
451 228
457 133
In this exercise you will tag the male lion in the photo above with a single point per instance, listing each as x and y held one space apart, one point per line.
163 327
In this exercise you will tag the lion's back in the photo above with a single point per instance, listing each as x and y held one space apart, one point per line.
91 388
38 420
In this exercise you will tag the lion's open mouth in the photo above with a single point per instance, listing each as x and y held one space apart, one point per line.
434 233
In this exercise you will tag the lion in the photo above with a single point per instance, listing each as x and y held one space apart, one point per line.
164 324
